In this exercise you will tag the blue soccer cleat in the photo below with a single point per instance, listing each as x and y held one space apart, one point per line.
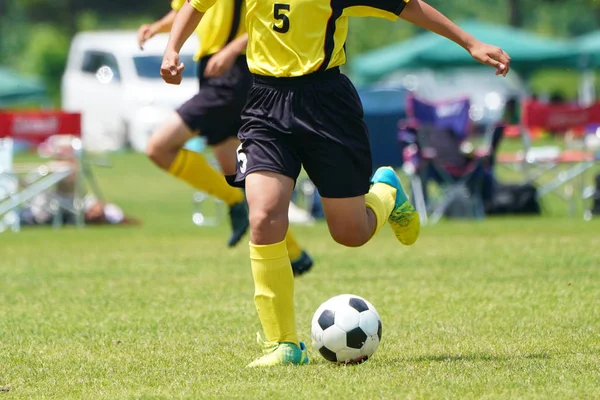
404 219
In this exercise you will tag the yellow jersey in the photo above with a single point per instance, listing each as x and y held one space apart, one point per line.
288 38
224 22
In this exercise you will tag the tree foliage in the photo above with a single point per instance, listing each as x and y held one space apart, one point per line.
34 34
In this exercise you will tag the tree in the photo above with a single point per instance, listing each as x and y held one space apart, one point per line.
515 17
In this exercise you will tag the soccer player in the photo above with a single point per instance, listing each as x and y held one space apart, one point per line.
302 111
213 113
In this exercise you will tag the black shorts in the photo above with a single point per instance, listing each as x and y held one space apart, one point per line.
215 110
313 121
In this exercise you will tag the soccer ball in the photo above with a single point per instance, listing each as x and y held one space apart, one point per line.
346 329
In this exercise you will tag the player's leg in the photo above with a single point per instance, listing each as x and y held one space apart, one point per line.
225 153
167 140
269 195
338 160
302 262
165 149
267 167
353 221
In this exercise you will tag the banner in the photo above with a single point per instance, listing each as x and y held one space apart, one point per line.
559 117
37 126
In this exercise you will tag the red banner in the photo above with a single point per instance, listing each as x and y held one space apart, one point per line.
559 117
39 125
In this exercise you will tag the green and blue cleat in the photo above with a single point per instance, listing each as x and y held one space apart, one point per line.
404 219
280 354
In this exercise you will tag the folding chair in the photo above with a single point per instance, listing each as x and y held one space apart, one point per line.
23 182
441 130
555 170
8 185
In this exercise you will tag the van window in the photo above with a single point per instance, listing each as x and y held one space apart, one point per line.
149 66
94 60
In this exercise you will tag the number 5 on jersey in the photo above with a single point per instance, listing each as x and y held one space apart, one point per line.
279 14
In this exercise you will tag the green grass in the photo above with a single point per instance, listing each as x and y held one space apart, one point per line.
500 309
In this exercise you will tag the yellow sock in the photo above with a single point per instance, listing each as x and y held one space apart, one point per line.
193 168
381 200
274 291
293 248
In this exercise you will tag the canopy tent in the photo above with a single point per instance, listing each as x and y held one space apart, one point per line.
589 48
527 50
18 91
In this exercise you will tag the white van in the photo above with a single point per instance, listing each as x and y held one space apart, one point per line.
118 89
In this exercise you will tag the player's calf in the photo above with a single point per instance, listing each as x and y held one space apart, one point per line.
349 222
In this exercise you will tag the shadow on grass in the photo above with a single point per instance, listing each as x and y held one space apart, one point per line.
473 357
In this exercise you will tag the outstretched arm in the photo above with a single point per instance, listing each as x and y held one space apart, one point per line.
184 25
147 31
422 14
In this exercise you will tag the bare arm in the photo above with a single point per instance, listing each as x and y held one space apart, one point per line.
147 31
184 25
423 15
164 24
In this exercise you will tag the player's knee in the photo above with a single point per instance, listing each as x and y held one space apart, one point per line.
348 237
267 226
158 154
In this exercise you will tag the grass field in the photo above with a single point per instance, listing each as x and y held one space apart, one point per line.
501 309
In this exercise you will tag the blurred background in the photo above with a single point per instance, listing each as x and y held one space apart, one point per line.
81 57
36 34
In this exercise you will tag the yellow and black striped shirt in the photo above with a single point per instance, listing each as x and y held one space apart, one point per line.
289 38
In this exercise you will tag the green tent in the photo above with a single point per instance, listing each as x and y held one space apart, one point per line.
589 47
18 91
528 51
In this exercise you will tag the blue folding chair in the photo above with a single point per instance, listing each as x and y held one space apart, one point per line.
440 133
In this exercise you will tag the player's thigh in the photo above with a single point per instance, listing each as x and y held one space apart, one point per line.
166 141
225 153
335 147
173 133
336 155
268 195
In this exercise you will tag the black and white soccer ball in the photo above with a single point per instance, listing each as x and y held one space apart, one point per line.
346 329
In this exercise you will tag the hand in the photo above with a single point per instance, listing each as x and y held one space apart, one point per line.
492 56
171 69
219 63
143 34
